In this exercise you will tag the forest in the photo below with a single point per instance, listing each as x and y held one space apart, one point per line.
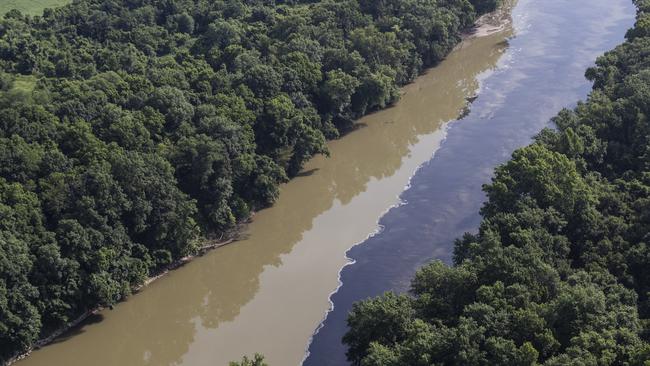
558 273
131 131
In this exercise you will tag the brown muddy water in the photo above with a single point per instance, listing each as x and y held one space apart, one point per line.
268 292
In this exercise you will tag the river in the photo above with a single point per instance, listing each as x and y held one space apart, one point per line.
542 72
269 291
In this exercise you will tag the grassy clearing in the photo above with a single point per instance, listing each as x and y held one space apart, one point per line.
31 7
24 83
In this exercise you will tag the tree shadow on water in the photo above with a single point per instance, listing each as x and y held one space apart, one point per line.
79 329
307 173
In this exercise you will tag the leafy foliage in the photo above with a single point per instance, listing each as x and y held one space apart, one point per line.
257 360
130 129
558 273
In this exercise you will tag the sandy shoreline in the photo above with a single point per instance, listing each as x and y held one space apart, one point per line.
493 22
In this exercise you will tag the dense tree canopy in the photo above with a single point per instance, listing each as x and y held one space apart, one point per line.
559 272
139 127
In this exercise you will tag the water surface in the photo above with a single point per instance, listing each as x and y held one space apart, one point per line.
268 292
542 71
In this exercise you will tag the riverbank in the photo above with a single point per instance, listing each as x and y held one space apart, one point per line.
209 245
448 112
493 22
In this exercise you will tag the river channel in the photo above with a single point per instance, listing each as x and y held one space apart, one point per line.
271 290
541 72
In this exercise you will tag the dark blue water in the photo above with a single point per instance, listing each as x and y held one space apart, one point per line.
541 73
